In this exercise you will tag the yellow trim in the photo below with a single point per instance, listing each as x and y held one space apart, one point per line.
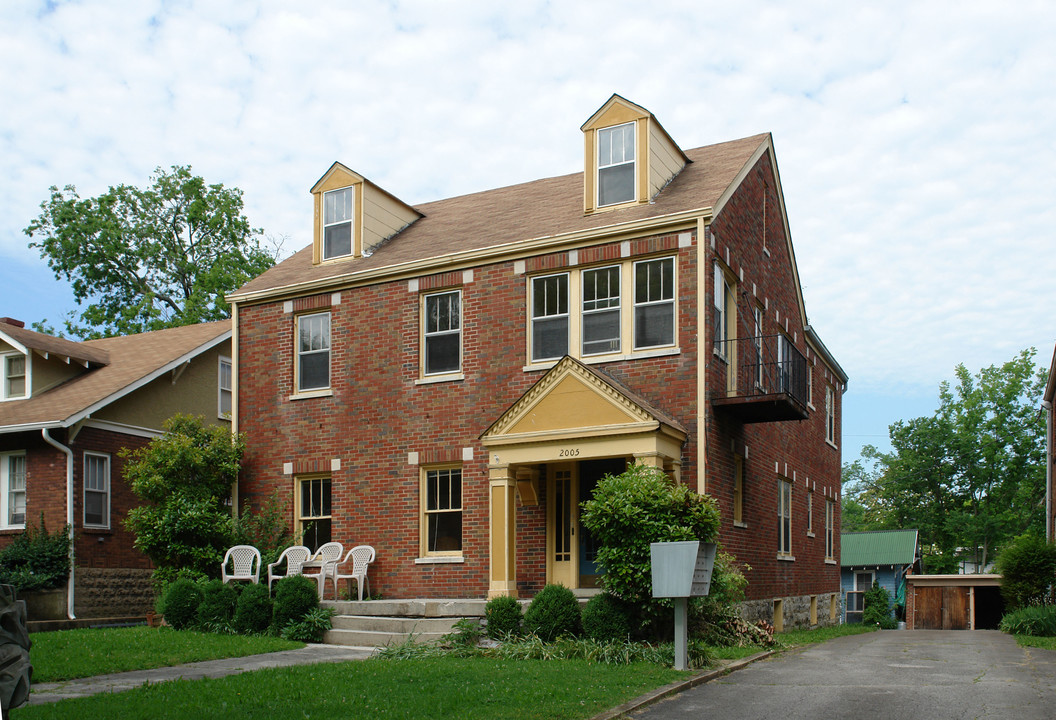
423 527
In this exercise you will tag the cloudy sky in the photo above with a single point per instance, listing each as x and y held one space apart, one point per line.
915 140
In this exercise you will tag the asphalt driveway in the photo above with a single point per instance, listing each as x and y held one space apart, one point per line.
902 675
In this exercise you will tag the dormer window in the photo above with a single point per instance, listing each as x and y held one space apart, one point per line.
616 164
14 367
337 223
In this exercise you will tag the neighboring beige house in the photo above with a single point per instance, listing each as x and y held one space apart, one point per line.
66 410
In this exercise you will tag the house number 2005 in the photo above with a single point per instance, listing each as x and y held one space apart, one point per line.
568 452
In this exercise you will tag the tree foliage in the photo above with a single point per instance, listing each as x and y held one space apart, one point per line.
186 477
1028 571
969 477
149 258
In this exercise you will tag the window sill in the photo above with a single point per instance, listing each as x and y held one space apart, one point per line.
308 394
97 530
831 444
830 561
786 558
599 359
810 534
439 560
739 524
12 530
433 379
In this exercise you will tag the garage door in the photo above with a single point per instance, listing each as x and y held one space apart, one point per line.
941 608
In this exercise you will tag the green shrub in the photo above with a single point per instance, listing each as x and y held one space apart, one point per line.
606 619
253 610
36 559
1036 620
181 603
217 607
552 613
466 632
295 597
310 627
266 529
877 610
504 617
1028 570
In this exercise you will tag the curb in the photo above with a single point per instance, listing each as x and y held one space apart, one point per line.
680 686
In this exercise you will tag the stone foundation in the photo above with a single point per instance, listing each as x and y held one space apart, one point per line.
795 611
112 592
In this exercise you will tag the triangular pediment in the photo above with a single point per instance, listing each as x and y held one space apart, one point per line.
571 400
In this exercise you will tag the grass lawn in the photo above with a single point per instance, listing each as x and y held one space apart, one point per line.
1047 643
68 654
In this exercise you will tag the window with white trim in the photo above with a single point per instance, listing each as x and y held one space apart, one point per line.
830 414
14 367
550 318
223 384
654 303
442 333
725 301
616 164
784 517
12 490
337 223
810 513
313 351
757 343
442 511
96 490
830 529
601 310
313 511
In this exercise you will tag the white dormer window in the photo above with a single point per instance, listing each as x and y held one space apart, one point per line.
14 368
337 223
616 164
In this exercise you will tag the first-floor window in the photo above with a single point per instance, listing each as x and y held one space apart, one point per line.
314 511
549 317
96 490
313 351
784 517
654 303
443 332
738 489
223 383
810 513
442 511
12 490
830 512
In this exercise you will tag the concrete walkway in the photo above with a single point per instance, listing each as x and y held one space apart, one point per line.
116 682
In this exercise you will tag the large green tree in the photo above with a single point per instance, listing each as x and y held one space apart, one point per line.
971 476
143 259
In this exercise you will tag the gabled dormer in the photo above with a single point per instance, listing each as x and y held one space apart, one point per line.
353 215
629 157
32 363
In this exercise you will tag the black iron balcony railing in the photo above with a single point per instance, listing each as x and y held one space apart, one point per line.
766 380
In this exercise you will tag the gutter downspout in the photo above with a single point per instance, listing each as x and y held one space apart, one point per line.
702 364
1047 406
69 511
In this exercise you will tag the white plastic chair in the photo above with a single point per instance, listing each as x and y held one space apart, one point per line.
294 556
360 557
328 554
245 564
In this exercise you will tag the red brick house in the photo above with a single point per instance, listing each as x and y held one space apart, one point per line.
447 381
66 410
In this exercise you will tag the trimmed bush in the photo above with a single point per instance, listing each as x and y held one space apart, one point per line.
1028 570
504 617
606 619
295 597
36 559
217 606
182 599
1038 621
877 610
552 613
253 610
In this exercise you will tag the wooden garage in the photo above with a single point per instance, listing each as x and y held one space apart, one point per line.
954 602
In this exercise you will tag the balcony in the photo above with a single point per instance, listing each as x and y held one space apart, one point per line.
767 380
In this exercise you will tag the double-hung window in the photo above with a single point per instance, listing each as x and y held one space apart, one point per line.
810 513
96 490
442 511
14 368
830 524
830 415
616 164
601 310
738 490
654 303
313 351
443 333
223 384
337 223
12 490
785 354
314 511
725 302
549 317
784 517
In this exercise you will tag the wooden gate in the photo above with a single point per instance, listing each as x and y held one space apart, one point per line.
941 608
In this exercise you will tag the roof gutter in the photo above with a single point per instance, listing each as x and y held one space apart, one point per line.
69 511
812 336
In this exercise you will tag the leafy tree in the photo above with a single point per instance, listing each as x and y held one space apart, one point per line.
149 258
185 476
1028 571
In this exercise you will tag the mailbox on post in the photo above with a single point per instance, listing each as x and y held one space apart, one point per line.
681 570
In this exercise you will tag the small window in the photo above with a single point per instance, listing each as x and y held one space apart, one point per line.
12 490
442 511
810 513
784 517
549 317
654 303
738 489
830 524
757 344
337 223
725 306
96 490
314 512
830 414
313 351
224 389
14 376
442 333
616 164
601 310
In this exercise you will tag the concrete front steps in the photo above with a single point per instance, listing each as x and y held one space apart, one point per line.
378 623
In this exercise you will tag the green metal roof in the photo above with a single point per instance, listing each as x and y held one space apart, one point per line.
878 547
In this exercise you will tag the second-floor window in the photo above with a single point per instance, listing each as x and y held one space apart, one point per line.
549 317
313 351
830 524
784 517
830 414
601 310
654 303
443 333
223 403
337 223
14 367
616 164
